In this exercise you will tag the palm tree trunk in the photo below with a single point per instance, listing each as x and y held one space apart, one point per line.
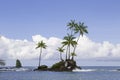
69 53
75 47
40 56
61 56
72 57
66 52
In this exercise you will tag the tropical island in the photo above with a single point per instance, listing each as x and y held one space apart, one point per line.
69 45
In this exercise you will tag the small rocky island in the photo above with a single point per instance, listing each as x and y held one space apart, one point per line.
18 64
69 45
67 65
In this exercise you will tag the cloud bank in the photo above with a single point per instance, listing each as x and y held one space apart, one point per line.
24 49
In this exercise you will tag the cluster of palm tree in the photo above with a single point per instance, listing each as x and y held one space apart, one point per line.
70 41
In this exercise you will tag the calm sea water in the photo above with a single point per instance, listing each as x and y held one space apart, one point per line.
87 73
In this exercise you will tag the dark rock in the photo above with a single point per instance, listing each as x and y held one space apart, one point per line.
18 64
118 69
71 64
78 67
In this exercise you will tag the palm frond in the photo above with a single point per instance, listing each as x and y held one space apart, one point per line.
41 44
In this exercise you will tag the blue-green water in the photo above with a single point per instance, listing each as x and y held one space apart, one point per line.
87 73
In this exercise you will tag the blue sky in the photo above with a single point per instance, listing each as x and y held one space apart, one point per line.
22 19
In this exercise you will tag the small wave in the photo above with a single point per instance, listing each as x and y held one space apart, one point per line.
15 69
115 70
22 69
83 70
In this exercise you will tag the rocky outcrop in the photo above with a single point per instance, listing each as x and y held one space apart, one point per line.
18 64
67 65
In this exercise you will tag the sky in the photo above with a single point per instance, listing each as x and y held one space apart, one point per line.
25 22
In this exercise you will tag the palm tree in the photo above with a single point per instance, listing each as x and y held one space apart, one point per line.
41 45
69 41
71 25
80 29
2 62
61 50
77 28
73 54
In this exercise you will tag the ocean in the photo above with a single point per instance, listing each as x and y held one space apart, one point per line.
87 73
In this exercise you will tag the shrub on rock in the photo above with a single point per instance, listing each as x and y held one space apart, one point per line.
43 67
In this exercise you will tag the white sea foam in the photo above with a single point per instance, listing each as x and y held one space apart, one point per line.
83 70
14 69
21 69
115 70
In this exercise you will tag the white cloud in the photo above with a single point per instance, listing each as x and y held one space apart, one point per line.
86 49
90 49
38 38
116 51
13 49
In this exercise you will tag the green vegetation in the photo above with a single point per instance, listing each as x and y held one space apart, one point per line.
67 65
41 45
43 67
18 64
59 66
